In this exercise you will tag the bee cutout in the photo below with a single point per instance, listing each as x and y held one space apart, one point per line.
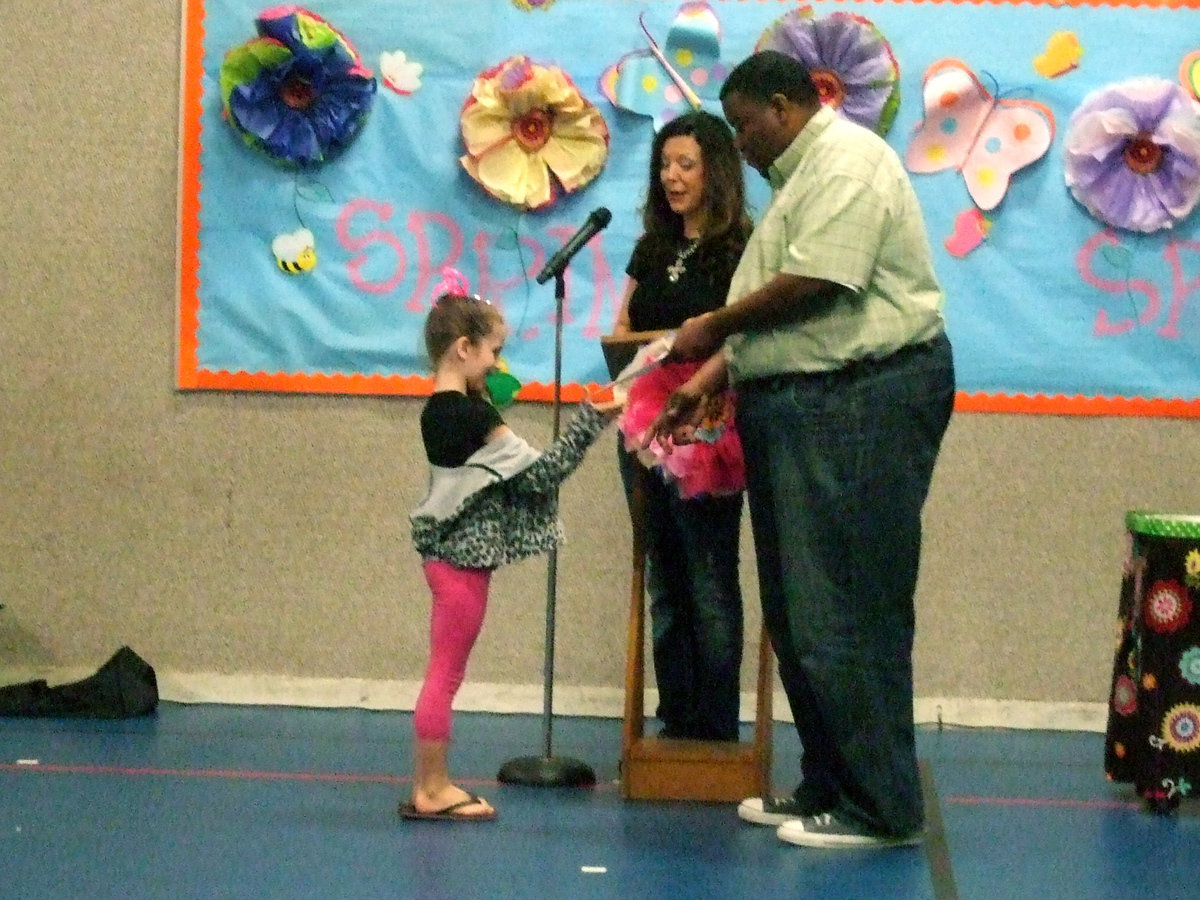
295 252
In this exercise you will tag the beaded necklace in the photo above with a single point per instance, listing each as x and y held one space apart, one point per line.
677 268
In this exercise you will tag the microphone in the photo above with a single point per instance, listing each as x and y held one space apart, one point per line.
597 220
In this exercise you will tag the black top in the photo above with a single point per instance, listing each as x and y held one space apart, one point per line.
454 426
657 303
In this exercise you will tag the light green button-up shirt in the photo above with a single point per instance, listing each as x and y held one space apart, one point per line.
844 211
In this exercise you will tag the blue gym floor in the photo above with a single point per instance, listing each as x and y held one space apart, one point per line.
265 802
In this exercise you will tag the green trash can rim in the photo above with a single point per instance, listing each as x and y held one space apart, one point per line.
1163 524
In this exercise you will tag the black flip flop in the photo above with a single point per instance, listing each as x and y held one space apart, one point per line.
451 813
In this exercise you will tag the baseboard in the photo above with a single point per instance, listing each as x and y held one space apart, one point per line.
603 702
1026 714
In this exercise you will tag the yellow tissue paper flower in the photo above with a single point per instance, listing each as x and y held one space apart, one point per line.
530 134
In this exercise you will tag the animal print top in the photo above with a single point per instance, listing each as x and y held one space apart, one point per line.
512 516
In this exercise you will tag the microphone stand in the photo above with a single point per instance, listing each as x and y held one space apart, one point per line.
548 770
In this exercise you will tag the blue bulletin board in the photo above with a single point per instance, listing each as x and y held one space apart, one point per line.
1049 307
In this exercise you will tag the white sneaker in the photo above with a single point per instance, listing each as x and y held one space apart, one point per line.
770 810
827 830
777 810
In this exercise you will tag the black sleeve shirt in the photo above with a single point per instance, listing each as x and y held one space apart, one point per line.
454 426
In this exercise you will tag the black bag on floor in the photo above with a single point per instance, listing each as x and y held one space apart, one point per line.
123 687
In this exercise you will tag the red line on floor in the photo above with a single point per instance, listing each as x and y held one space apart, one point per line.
51 769
54 769
1041 801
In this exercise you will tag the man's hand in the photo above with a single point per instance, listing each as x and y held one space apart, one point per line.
677 423
696 338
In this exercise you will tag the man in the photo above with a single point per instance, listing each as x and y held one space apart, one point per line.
834 339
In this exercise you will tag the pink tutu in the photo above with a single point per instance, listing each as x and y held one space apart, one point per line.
713 464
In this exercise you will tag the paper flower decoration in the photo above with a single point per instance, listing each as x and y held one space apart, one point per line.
530 5
298 92
400 73
850 61
1132 154
524 123
1189 73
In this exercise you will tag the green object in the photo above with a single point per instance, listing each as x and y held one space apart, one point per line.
1163 524
317 34
245 63
502 388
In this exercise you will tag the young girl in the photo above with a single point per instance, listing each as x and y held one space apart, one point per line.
491 501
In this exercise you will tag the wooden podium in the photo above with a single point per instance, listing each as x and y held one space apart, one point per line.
669 769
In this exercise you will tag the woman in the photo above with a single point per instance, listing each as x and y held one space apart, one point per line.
695 229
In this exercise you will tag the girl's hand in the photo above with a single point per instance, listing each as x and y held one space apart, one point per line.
606 402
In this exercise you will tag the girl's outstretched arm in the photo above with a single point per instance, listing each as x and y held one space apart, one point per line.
566 453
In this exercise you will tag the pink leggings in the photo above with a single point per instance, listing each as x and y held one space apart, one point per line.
459 602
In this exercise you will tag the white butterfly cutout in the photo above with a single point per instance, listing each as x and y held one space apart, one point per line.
966 128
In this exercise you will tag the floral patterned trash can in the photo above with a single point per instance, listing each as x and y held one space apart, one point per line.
1153 737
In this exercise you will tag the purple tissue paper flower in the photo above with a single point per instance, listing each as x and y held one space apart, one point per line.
1132 154
850 61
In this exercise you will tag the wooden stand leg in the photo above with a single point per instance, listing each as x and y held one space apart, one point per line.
635 655
667 769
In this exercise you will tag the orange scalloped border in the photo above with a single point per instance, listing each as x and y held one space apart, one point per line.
191 377
187 264
419 386
1077 405
374 385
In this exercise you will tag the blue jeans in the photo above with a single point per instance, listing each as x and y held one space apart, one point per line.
838 466
695 605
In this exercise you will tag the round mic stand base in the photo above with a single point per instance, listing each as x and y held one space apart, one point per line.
547 771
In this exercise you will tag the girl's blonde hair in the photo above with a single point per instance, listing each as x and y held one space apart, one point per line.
457 315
